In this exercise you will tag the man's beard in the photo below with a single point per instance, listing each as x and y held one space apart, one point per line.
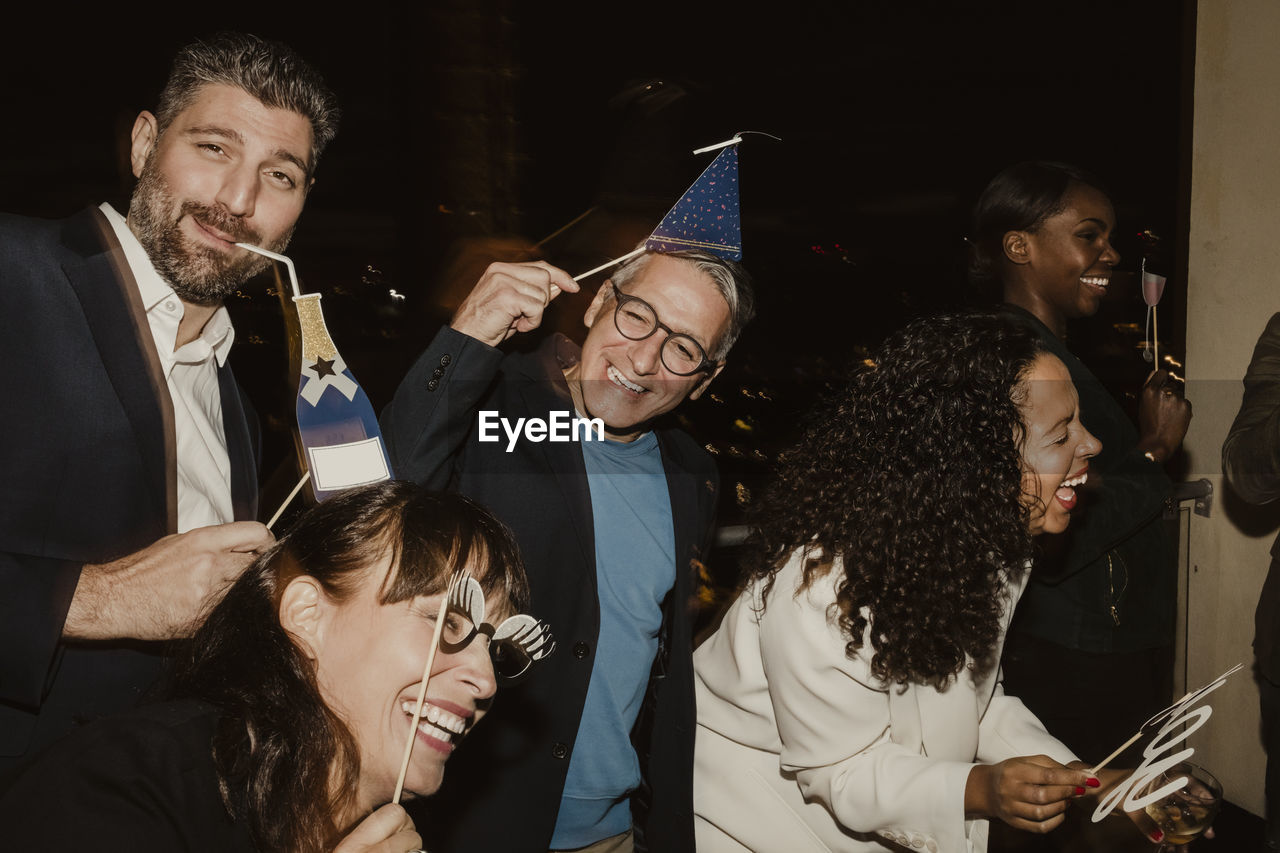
199 275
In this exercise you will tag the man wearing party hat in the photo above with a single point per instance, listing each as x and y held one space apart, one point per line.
613 512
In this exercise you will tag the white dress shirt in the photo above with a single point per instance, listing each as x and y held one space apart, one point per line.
204 469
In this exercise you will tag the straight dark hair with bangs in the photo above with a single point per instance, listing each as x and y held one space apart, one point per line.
286 763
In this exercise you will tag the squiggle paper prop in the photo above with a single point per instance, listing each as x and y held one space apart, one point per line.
1128 795
341 443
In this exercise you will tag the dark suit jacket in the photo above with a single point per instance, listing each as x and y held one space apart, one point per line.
1251 462
86 448
503 785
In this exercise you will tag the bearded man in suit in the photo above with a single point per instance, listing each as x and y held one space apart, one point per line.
129 451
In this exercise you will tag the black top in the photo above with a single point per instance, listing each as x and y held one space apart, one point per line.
1116 553
140 782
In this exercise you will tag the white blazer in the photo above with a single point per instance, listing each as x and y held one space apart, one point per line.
799 748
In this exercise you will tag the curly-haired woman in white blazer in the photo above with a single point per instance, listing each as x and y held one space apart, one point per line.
850 699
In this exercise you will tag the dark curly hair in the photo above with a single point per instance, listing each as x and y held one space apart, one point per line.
911 478
287 764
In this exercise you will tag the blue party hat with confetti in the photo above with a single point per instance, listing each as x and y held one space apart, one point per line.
706 217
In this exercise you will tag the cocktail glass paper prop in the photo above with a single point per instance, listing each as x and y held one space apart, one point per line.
1152 290
1192 801
341 443
1176 723
706 217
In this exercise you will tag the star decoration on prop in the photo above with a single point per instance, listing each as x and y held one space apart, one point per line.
323 367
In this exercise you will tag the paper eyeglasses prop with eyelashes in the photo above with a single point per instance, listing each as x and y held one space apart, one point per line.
514 644
1132 794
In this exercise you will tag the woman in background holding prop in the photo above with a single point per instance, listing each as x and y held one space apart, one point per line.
298 693
1098 616
851 694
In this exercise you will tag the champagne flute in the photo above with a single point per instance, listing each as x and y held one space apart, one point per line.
1187 812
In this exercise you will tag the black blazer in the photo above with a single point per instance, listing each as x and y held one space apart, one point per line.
1251 462
86 449
503 785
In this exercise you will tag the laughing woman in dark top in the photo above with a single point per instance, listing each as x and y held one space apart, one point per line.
297 696
1097 618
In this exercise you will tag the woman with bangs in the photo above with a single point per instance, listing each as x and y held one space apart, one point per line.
850 699
295 699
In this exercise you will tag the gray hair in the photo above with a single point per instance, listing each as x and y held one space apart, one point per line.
729 277
269 71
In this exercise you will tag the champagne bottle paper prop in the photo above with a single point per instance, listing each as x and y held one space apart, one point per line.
341 444
706 217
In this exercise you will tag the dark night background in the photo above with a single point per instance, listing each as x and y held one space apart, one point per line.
476 129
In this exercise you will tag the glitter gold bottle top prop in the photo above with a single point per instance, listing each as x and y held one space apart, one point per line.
341 442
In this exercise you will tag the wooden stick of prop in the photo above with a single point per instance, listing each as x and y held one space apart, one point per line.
422 693
1188 698
306 476
1111 757
1155 335
628 256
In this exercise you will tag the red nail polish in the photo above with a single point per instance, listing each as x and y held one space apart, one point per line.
1157 836
1092 782
1079 791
